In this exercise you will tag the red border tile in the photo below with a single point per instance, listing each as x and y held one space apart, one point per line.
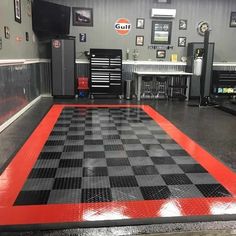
13 178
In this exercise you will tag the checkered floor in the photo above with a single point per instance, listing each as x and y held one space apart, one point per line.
113 154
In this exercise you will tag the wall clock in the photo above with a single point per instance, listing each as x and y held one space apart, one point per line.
202 27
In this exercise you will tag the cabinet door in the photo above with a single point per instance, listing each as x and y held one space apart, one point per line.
57 54
69 67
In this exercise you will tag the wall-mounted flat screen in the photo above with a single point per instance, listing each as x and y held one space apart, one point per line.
50 19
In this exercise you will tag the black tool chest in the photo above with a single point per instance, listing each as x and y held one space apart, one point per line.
105 72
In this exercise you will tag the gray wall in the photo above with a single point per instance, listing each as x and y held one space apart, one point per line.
106 12
11 48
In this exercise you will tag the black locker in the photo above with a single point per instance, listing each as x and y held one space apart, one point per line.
63 67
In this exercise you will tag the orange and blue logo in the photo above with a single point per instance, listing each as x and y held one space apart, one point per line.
122 26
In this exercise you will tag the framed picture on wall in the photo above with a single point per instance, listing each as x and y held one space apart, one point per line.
82 37
182 41
7 32
161 54
161 32
183 24
232 19
82 16
140 23
139 40
17 10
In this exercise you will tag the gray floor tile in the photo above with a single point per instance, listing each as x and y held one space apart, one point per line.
126 194
69 172
142 132
65 196
95 182
98 162
161 136
171 146
201 178
38 184
120 171
128 136
52 148
158 153
149 141
169 169
184 160
112 141
150 180
133 147
115 154
93 137
140 161
184 191
93 148
54 163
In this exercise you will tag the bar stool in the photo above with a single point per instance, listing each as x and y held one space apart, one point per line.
161 87
147 87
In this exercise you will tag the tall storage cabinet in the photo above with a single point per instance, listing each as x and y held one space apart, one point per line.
106 72
63 67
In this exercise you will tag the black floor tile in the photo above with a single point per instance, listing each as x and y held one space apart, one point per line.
32 197
65 163
123 181
176 179
155 192
75 137
114 147
130 141
177 152
58 133
93 142
55 143
162 160
95 171
213 190
192 168
67 183
111 136
96 195
50 155
73 148
94 155
137 153
145 170
43 173
76 129
145 136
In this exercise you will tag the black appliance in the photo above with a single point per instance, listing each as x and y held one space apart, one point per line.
105 72
196 50
50 20
224 83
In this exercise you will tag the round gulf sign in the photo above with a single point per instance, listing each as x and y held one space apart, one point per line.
56 44
122 26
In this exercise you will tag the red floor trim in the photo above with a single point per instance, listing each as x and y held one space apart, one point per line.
13 178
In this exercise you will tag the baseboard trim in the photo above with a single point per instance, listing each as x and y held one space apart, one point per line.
18 114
